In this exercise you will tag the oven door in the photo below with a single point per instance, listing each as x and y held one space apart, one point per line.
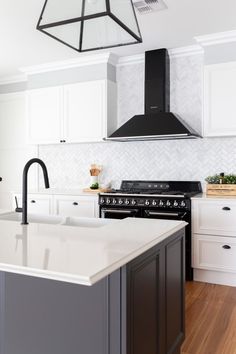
116 213
170 215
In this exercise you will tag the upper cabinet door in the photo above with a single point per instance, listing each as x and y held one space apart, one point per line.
220 100
45 115
85 111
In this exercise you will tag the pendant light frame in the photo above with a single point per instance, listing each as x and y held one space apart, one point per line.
82 19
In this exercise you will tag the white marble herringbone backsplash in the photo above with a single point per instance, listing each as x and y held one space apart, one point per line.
177 160
68 165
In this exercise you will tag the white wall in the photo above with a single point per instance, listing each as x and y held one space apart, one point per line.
177 160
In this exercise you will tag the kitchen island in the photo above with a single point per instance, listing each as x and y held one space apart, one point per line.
117 288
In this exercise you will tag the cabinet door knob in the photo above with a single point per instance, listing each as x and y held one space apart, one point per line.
226 208
32 201
75 203
0 179
226 247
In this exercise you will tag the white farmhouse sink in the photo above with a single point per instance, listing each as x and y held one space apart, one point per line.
34 218
57 220
86 222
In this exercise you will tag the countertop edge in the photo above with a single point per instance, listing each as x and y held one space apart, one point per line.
88 281
212 197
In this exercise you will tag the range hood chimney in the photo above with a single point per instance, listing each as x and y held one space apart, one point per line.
157 122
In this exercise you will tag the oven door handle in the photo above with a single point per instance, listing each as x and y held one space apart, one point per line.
120 211
155 213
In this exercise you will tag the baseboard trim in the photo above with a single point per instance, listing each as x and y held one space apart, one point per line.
213 277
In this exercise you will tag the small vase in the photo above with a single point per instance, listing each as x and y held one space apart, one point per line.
93 180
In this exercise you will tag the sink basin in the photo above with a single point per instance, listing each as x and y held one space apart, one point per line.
57 220
34 218
86 222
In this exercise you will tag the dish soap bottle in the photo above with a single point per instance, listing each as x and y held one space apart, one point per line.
222 177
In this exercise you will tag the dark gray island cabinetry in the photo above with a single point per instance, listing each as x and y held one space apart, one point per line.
138 309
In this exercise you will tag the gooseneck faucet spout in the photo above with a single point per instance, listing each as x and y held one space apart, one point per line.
25 185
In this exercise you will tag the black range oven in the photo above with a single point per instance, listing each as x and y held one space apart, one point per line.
156 200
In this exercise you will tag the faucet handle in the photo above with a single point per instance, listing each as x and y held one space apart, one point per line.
17 209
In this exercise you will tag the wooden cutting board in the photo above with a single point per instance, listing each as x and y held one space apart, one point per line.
96 191
221 189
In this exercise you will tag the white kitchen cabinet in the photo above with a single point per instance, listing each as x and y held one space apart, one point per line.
80 206
81 112
215 253
214 240
214 217
37 203
85 111
14 151
220 100
45 115
64 205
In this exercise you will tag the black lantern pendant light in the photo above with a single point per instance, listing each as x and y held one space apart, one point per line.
86 25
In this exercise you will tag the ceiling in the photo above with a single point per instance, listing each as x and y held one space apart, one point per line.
22 45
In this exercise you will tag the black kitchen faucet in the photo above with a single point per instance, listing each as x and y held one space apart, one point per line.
25 186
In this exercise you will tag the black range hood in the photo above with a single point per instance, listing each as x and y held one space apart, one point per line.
157 122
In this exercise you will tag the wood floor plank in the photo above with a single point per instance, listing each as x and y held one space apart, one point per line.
210 319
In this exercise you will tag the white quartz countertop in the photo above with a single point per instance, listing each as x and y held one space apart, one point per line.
81 255
53 191
213 197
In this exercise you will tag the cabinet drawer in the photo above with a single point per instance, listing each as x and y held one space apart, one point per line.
214 253
76 206
216 217
37 204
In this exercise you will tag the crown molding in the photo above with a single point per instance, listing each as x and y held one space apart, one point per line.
216 38
71 63
13 79
132 59
173 53
186 51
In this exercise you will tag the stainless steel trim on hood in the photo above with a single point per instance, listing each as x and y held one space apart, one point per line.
153 137
157 123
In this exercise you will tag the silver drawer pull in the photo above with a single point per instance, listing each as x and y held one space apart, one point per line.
226 247
226 208
120 211
161 214
75 203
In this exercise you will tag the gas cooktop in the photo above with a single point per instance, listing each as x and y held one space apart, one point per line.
185 189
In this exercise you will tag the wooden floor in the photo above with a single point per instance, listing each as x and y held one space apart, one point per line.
210 319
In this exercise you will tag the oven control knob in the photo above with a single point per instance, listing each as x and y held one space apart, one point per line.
154 203
120 201
114 201
183 204
168 203
175 203
161 203
102 201
133 202
126 201
108 200
147 202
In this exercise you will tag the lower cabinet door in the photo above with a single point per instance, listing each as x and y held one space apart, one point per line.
155 300
144 288
214 253
80 206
